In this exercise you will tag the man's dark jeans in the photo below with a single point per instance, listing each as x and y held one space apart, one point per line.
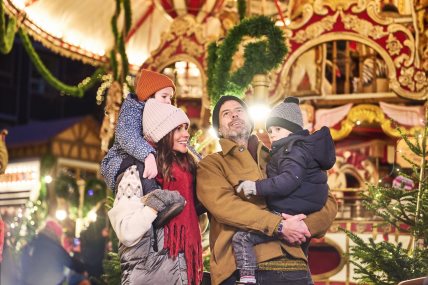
272 277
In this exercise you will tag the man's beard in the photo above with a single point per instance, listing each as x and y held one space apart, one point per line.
236 136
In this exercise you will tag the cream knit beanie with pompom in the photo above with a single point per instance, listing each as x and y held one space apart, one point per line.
161 118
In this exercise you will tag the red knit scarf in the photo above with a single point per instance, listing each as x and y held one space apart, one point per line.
182 233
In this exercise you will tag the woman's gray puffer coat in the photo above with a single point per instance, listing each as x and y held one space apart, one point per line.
142 260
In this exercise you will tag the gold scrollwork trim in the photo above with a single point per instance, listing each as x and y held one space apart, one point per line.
316 29
410 42
361 6
307 11
319 5
361 26
370 114
373 12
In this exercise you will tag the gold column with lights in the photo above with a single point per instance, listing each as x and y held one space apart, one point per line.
258 102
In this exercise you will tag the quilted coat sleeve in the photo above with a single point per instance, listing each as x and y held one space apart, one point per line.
129 130
219 198
291 171
129 217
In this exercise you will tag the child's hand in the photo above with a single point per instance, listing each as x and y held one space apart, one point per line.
150 167
248 187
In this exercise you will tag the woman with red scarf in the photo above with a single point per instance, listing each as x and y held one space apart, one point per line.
167 251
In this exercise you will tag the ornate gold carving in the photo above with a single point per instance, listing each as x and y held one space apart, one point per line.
316 29
319 5
405 78
370 114
393 45
363 27
4 156
192 48
374 13
360 7
409 42
334 271
113 102
307 11
421 80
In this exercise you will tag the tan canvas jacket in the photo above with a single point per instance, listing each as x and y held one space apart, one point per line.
217 176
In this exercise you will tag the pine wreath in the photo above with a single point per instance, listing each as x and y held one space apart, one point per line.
260 57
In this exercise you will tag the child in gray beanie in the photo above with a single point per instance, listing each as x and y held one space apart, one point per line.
297 179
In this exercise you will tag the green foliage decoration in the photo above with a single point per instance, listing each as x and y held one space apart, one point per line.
77 91
387 263
119 49
112 272
128 15
260 57
242 9
7 31
211 60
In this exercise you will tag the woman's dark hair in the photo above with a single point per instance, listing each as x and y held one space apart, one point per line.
166 156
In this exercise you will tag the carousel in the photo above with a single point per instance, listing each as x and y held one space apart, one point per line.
358 67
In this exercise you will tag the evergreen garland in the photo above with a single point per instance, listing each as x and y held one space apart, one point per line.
113 65
242 9
128 15
124 58
260 57
77 91
7 32
119 48
115 31
211 60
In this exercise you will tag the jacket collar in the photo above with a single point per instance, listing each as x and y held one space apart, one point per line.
287 140
227 145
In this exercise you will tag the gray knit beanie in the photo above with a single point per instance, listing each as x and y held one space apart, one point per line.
286 115
161 118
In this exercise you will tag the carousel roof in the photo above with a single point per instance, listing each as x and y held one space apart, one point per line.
82 29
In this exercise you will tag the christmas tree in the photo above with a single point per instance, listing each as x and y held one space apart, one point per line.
405 209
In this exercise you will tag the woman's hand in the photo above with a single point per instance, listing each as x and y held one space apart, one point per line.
160 199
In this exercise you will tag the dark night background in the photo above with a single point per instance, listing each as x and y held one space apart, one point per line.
25 96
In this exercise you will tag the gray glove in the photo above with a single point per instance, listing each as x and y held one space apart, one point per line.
248 187
160 199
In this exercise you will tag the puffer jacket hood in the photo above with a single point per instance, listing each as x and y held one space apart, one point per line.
319 145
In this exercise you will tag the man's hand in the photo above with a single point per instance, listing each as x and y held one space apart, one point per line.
150 167
248 187
294 230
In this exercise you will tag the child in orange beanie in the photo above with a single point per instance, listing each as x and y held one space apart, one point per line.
129 143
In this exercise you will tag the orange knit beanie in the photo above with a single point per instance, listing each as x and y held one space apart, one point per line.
149 82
